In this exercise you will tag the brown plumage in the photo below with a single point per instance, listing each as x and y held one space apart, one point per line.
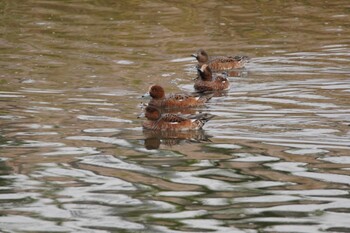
159 99
220 62
206 82
157 121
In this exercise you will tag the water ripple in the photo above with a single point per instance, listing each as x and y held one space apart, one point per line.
74 157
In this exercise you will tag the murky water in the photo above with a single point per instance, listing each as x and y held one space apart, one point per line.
73 155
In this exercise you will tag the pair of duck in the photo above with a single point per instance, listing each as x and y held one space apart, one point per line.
205 84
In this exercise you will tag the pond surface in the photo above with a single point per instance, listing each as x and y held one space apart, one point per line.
74 157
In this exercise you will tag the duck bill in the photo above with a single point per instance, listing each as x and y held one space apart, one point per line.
141 115
146 95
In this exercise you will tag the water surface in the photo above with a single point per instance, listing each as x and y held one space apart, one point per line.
74 157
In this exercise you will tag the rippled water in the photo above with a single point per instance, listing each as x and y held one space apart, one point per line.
74 157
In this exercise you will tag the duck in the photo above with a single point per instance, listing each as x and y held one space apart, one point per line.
178 100
218 63
207 83
173 122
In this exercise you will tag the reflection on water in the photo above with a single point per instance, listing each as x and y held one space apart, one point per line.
74 157
153 139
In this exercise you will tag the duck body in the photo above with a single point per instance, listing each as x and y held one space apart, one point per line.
207 83
179 100
173 122
218 63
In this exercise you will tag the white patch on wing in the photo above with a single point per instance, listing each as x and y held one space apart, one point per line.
174 123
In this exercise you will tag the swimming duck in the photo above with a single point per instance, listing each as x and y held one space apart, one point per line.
176 122
206 82
179 100
218 63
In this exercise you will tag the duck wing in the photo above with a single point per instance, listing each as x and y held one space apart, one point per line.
168 117
181 97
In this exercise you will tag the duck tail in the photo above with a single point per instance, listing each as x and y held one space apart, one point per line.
203 118
206 96
242 59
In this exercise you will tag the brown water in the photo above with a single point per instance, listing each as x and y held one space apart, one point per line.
73 155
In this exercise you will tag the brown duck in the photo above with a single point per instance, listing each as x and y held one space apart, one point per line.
207 83
177 100
218 63
173 122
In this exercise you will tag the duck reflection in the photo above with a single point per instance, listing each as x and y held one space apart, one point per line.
220 93
236 73
154 139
